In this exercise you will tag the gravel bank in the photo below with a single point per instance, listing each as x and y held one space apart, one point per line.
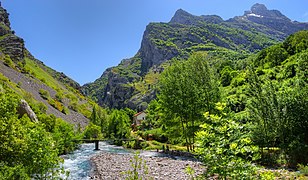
111 166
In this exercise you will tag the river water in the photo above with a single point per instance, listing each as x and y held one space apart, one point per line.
78 162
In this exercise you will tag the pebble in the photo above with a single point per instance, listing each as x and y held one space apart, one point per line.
113 166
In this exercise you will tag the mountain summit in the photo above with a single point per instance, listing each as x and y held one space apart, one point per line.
132 83
260 10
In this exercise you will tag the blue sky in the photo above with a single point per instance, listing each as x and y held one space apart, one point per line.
83 38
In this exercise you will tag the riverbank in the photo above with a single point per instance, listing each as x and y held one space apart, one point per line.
111 166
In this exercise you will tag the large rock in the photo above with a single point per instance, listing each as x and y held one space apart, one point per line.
24 108
9 43
13 46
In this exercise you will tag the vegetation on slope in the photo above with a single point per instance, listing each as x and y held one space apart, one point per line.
262 107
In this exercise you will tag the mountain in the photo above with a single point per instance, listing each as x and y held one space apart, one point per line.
46 90
132 83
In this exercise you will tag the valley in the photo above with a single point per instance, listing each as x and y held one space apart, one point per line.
230 93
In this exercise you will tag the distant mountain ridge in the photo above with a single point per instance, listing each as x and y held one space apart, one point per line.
131 83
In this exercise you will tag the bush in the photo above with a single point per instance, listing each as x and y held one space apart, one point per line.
15 172
226 148
59 96
44 94
92 131
303 169
48 121
64 136
8 61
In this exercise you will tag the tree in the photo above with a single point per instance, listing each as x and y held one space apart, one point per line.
188 88
280 116
225 146
94 117
118 125
20 151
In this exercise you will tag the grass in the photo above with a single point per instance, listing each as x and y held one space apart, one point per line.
42 75
153 145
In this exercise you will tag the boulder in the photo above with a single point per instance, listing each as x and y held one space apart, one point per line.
24 108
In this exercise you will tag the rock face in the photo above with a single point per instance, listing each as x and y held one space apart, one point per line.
116 91
273 21
24 108
185 33
151 53
13 46
10 44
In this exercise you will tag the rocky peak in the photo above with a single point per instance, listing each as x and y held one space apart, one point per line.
212 19
4 16
261 11
9 43
183 17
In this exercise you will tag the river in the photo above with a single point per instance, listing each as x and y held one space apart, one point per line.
78 162
79 165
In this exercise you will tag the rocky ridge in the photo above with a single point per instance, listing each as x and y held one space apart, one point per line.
185 33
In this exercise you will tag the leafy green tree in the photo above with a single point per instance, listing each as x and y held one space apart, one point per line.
92 131
226 76
296 43
64 135
280 115
187 89
225 146
19 147
118 125
94 118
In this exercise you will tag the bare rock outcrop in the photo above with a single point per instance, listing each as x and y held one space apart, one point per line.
24 108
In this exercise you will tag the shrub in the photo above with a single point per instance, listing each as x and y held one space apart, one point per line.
139 169
65 110
8 61
303 169
64 135
92 131
73 106
226 148
44 94
59 96
13 172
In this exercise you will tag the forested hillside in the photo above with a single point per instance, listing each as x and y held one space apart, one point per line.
232 92
240 114
132 83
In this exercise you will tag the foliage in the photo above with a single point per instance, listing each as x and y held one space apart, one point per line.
280 116
44 94
19 147
226 148
8 61
303 169
186 90
16 172
190 171
92 131
118 125
64 136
